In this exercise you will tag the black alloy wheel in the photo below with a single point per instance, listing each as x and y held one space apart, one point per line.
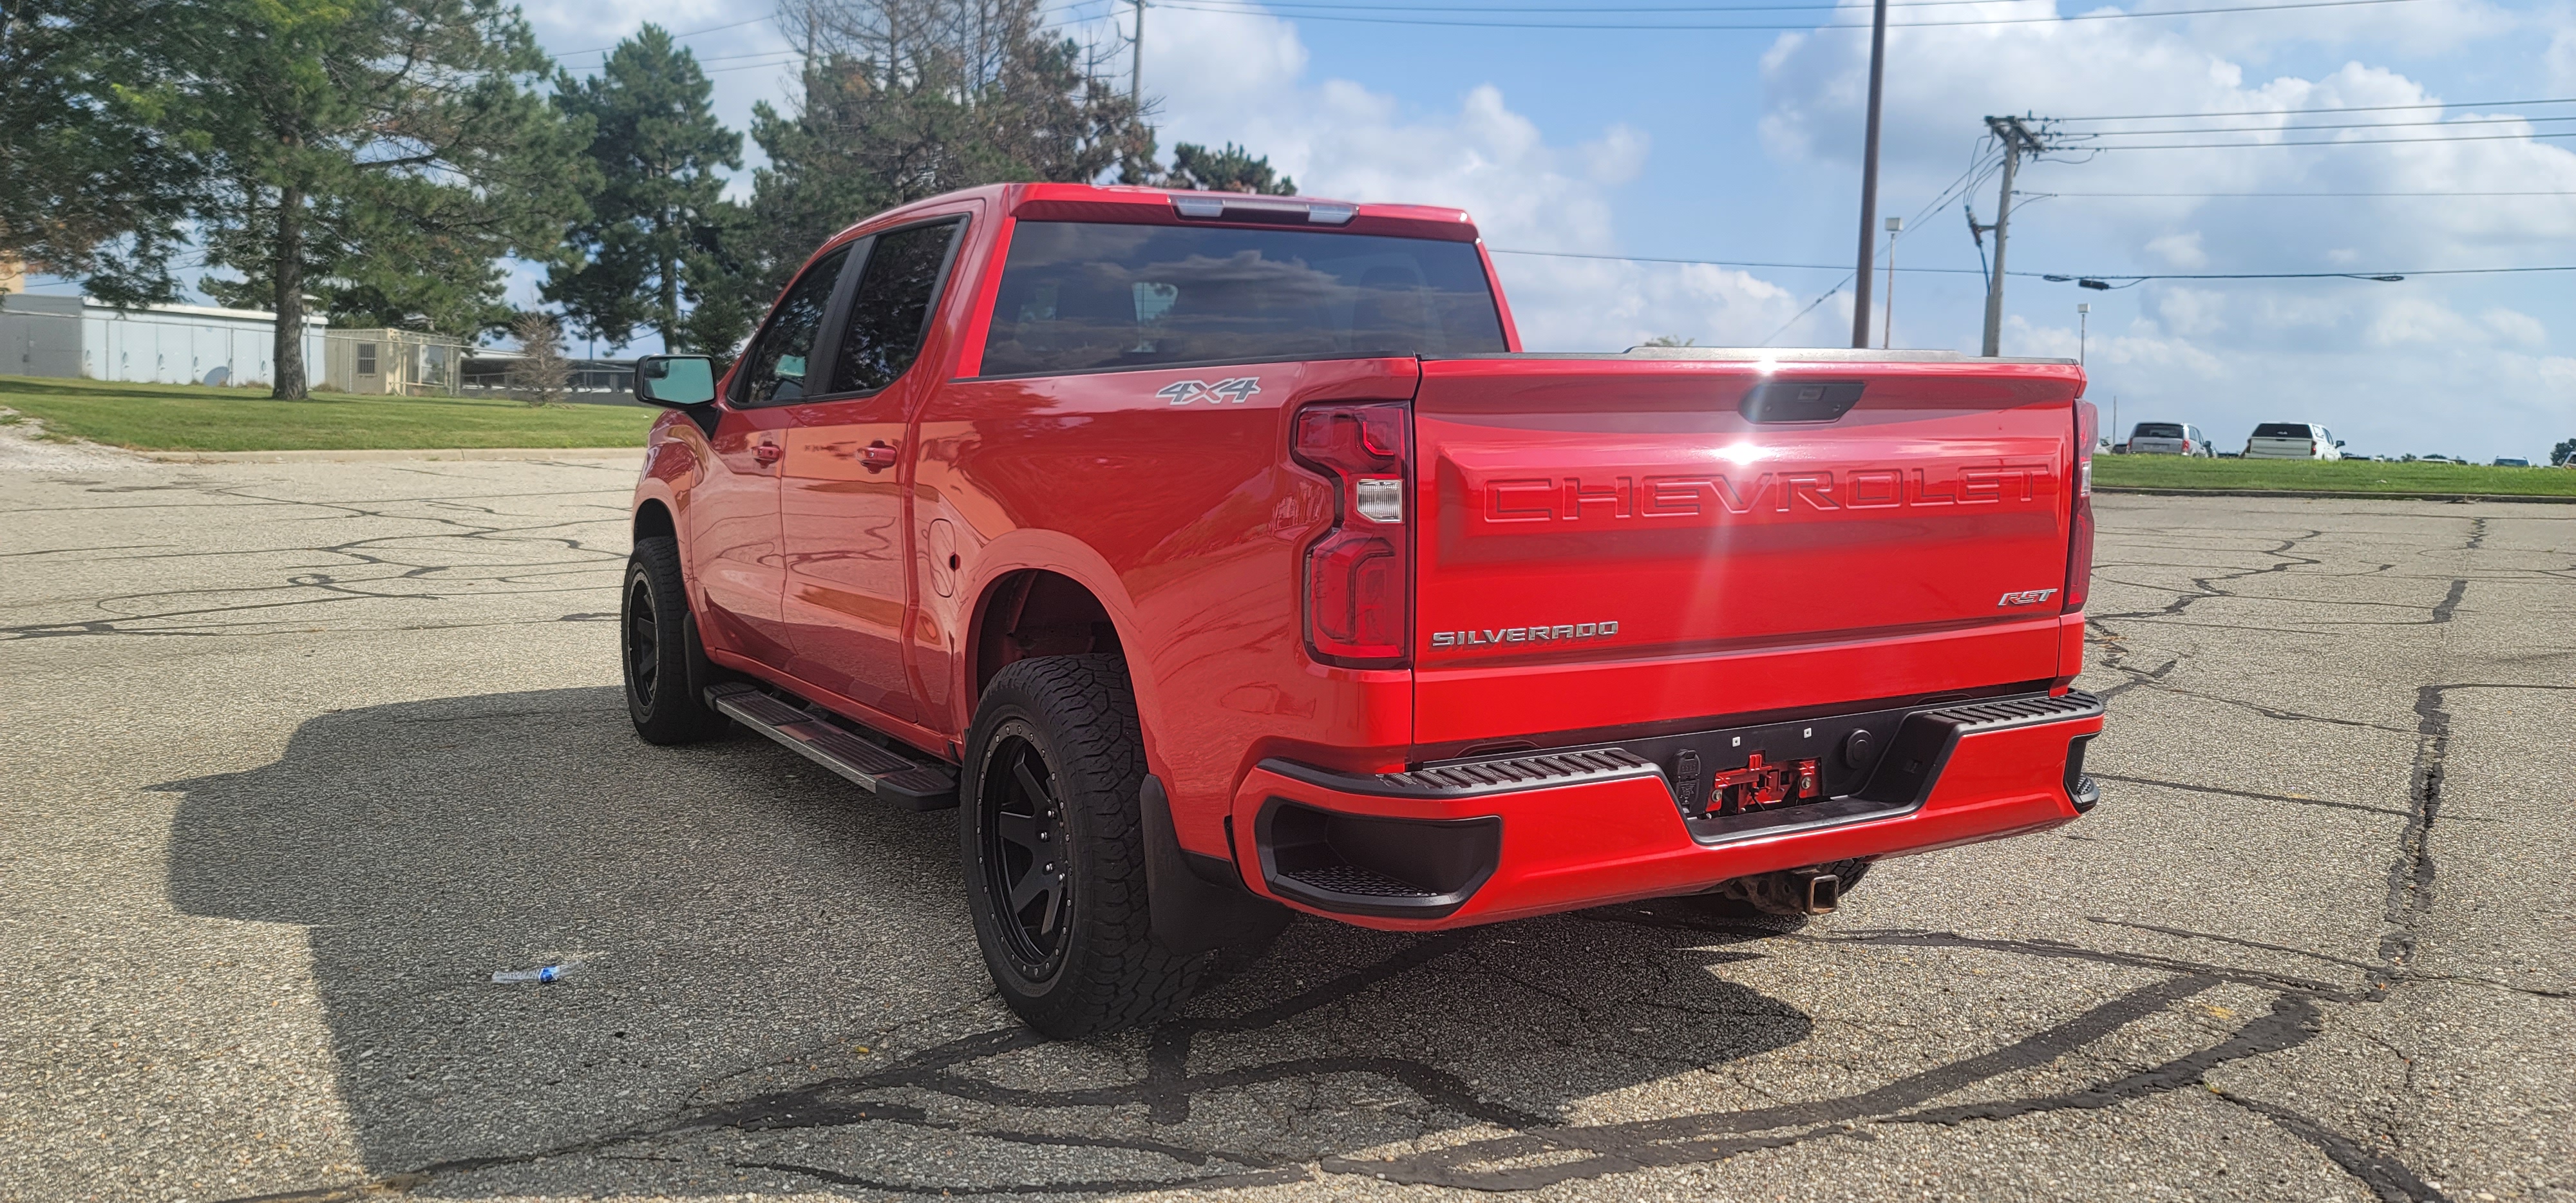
1052 836
664 665
643 641
1027 867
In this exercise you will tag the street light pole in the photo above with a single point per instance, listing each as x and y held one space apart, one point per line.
2083 322
1869 178
1887 330
1136 63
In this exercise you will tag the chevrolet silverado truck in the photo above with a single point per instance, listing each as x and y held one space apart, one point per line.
1222 556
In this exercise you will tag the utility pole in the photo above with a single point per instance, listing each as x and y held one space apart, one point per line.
2083 323
2018 140
1887 331
1868 178
1136 64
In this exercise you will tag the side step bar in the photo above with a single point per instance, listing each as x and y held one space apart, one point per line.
889 775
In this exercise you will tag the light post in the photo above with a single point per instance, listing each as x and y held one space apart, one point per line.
2083 321
1869 178
1887 329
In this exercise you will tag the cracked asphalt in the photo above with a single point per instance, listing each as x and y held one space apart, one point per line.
299 755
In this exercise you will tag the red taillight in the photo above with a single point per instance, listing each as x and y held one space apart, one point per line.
1359 575
2079 543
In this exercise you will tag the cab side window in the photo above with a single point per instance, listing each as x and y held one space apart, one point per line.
774 373
890 311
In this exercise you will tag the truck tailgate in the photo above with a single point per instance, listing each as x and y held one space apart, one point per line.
1609 543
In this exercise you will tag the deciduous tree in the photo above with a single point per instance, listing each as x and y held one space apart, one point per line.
905 99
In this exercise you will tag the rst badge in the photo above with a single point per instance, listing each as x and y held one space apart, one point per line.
1560 633
1237 390
2027 597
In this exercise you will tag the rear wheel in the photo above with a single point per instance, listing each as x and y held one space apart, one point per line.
658 639
1054 850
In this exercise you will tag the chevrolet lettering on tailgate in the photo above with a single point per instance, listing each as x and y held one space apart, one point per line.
1715 496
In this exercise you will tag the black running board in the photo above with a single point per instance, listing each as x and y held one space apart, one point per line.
892 776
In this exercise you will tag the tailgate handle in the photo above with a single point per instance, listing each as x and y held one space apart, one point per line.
1800 400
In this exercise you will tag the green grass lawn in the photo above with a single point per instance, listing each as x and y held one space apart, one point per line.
178 417
2175 472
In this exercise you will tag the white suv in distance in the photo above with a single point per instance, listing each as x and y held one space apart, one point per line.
2169 438
2292 440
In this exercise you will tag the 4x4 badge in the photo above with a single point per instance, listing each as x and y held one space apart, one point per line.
1236 390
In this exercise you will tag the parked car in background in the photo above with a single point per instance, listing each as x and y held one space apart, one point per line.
2169 438
2292 440
2512 461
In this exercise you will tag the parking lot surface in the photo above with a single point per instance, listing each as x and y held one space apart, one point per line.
299 755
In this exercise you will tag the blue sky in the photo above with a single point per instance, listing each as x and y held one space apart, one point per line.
1743 145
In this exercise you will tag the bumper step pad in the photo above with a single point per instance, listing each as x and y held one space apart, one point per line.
890 775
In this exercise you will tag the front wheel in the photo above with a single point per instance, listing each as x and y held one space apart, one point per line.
658 642
1055 852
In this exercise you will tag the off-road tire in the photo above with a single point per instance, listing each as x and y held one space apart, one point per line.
1100 969
1728 902
657 638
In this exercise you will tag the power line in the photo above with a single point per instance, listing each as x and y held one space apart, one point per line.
2305 194
2297 129
2534 134
674 37
1562 9
1840 267
2061 277
1218 6
2356 108
2381 277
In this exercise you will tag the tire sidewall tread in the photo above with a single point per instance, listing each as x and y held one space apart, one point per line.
1112 974
676 714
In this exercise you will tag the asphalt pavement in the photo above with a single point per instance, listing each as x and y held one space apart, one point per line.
298 755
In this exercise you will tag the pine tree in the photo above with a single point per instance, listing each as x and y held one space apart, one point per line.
381 154
657 210
89 186
1232 169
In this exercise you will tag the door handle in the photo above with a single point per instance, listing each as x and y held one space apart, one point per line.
766 453
877 457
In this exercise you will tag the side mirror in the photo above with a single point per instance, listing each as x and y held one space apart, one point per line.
675 381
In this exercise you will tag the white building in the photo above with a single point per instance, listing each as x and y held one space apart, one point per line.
79 338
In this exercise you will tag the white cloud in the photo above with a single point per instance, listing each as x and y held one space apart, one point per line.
2561 60
2179 250
2379 360
1241 77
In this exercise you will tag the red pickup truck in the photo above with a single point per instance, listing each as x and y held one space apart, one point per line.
1223 555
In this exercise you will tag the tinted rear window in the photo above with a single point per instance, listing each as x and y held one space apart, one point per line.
1078 296
2157 430
2281 430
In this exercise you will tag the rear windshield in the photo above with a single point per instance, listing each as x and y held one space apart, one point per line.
1079 296
2282 430
2157 430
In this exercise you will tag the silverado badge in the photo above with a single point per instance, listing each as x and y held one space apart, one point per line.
1560 633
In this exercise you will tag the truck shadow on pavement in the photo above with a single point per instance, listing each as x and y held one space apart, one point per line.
776 990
